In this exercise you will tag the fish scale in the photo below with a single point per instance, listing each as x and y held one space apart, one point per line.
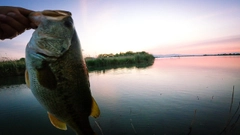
57 74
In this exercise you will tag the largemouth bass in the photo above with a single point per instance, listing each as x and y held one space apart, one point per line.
57 74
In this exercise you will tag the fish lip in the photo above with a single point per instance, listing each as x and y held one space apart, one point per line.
49 58
36 17
56 13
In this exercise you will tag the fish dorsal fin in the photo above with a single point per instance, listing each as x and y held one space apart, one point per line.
95 110
27 79
57 123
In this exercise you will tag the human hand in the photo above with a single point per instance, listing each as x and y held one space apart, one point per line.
14 21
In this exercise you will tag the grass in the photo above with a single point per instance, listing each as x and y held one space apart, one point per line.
10 67
109 60
231 128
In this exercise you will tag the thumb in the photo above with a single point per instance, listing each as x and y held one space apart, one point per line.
24 11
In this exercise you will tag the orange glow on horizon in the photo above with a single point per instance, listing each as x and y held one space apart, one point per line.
227 62
214 48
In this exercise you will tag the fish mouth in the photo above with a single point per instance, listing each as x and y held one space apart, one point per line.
56 13
37 17
47 57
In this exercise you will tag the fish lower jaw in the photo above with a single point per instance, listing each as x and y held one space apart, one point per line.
47 57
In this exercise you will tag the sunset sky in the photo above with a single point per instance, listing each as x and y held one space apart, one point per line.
155 26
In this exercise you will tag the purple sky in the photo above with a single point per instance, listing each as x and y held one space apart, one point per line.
156 26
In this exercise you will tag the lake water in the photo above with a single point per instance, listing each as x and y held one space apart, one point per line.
164 99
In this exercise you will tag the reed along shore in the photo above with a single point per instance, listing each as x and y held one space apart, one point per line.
10 67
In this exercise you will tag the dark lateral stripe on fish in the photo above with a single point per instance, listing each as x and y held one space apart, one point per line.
46 78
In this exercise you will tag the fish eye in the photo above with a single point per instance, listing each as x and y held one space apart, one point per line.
68 23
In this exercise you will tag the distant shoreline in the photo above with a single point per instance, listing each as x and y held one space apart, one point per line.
200 55
10 67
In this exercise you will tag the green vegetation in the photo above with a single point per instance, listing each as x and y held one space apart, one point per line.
12 67
114 60
103 61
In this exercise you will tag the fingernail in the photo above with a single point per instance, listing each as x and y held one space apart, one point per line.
11 14
2 16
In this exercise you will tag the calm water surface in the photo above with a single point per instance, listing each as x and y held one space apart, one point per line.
157 100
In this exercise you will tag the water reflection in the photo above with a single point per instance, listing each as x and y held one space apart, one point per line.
21 113
160 99
163 98
12 80
103 70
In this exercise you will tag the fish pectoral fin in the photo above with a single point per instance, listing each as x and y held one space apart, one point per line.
57 123
95 110
27 79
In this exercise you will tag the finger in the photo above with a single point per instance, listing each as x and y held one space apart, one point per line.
24 11
20 18
7 31
14 24
23 19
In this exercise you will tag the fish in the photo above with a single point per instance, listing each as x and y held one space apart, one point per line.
57 74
